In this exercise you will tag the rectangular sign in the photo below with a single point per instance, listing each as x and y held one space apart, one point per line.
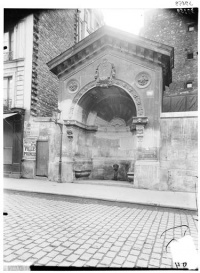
29 151
148 154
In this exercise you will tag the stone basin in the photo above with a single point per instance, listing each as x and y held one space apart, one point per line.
83 173
130 176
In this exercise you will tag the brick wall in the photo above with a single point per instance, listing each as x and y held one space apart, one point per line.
169 27
53 34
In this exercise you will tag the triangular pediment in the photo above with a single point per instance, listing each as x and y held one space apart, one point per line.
107 37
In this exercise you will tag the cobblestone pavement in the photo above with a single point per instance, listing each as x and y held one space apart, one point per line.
61 231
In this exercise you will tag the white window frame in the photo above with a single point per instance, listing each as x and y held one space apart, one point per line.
13 92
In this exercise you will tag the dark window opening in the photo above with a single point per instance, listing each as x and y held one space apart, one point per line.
190 56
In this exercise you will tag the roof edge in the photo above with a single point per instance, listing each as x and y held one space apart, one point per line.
114 33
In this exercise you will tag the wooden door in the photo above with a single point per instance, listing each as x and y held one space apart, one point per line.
13 144
17 146
8 146
42 158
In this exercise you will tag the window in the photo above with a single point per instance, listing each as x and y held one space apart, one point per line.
8 45
7 93
190 55
189 85
191 28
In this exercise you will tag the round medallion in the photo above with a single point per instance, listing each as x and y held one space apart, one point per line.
142 80
73 86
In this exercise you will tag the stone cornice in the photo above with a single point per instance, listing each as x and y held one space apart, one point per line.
107 37
72 123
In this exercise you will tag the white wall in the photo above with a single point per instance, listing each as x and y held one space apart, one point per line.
20 68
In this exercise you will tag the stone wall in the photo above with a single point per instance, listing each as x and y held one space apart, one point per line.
99 151
53 34
169 27
179 154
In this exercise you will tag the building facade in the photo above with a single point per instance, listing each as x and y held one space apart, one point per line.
31 39
128 103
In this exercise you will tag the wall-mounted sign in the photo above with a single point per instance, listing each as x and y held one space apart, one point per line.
148 154
29 150
150 93
31 129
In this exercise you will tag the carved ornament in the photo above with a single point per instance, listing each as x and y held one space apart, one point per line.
142 80
73 86
70 134
140 121
104 74
138 124
140 132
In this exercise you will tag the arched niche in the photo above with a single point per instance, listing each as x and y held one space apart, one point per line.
106 116
117 101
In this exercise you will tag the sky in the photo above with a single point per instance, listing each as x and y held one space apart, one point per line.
130 19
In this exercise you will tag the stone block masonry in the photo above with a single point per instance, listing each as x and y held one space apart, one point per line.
179 154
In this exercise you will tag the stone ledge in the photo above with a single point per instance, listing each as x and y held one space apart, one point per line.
43 119
179 114
80 125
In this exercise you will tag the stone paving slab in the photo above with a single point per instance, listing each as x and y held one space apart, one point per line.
48 230
183 200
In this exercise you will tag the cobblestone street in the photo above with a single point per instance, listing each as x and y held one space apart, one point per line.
60 231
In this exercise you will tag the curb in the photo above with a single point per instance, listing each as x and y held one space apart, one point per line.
105 199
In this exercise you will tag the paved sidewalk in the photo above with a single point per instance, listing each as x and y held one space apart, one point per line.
53 230
181 200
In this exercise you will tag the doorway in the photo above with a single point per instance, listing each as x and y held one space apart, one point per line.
42 158
12 144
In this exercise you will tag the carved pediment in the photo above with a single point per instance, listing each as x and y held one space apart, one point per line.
119 41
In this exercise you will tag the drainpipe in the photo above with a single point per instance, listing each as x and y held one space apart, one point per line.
60 158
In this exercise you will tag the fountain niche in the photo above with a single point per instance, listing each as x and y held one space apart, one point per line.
109 111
